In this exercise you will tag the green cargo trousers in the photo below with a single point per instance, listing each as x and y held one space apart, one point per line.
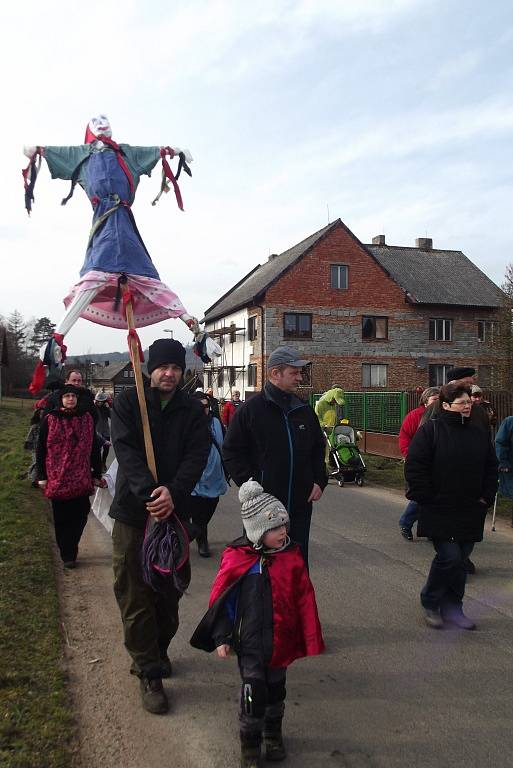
150 619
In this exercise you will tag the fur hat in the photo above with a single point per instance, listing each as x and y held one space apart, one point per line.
69 389
164 351
260 511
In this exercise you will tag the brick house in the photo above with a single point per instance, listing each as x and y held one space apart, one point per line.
369 317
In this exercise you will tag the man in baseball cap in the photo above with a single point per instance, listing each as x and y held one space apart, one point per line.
286 356
276 437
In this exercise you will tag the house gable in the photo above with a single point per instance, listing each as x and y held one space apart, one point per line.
307 281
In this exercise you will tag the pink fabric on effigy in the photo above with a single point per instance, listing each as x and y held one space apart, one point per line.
152 300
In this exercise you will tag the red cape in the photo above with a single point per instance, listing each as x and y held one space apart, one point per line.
296 626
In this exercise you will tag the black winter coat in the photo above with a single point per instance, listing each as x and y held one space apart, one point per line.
181 442
450 465
283 451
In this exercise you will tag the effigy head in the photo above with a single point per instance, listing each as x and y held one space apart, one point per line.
98 126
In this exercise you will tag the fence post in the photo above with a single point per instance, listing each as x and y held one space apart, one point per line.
404 405
365 422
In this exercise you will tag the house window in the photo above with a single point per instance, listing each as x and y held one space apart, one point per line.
440 329
338 275
252 328
210 378
306 372
485 376
125 374
220 378
374 328
486 330
297 325
232 375
233 333
374 375
252 375
438 374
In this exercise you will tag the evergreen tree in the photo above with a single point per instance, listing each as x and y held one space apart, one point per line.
42 331
17 333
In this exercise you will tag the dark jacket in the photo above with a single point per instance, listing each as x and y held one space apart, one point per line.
450 465
181 442
277 440
103 416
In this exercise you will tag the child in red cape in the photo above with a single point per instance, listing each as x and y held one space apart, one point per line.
262 604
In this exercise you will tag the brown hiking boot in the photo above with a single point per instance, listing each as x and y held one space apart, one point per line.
273 740
153 696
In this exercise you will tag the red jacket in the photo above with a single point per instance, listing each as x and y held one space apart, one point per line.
229 412
408 428
296 627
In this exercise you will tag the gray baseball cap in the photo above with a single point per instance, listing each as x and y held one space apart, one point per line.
286 356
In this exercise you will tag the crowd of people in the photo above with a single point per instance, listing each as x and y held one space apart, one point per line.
272 447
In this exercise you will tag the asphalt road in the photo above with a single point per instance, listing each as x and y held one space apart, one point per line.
388 692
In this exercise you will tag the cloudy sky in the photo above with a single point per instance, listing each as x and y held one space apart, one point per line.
397 115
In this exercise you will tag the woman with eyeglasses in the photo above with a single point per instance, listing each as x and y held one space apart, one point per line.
451 472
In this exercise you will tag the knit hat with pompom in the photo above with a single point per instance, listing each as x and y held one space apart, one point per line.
260 511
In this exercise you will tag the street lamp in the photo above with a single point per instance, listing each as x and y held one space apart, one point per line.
169 330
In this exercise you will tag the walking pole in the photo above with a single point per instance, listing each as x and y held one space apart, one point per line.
133 343
494 512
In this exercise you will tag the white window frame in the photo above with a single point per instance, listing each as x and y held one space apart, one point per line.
338 270
445 328
376 374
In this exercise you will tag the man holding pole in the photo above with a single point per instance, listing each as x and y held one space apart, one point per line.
181 444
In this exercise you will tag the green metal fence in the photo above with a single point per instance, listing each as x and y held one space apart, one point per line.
374 411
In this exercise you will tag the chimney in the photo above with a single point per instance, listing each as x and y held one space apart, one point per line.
424 243
272 256
378 240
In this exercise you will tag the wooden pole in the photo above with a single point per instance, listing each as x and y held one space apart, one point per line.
139 385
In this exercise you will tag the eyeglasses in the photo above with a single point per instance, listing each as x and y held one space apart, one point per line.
461 402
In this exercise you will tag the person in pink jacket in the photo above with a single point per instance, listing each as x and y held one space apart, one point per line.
408 428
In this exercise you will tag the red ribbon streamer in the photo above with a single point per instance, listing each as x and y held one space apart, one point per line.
132 334
169 174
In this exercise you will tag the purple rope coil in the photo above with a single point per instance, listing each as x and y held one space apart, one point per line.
165 556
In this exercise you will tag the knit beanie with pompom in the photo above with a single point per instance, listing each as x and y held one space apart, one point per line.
260 511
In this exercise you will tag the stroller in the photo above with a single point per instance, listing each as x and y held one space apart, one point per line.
345 461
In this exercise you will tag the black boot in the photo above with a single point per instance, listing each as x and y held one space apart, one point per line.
273 740
203 548
250 744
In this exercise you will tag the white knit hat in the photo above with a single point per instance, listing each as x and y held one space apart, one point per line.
260 511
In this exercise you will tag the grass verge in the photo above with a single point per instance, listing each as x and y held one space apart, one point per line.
36 724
